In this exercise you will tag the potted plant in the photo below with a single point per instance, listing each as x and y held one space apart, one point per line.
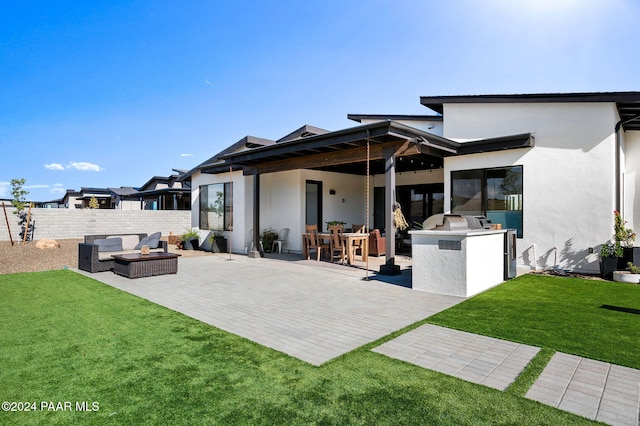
334 222
268 237
190 239
631 275
626 237
616 255
610 255
218 243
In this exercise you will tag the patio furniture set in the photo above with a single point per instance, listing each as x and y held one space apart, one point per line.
129 255
338 244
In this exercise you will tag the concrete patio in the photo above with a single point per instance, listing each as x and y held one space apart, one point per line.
314 311
317 311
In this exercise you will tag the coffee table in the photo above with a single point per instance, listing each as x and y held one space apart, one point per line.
145 265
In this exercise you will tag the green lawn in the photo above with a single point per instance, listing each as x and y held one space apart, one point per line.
67 338
595 319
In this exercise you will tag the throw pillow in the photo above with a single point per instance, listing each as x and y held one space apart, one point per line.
109 244
153 241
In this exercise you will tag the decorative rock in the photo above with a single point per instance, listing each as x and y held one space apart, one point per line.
47 244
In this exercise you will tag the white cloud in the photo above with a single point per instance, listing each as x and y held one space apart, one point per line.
85 167
54 166
186 155
35 186
58 185
58 190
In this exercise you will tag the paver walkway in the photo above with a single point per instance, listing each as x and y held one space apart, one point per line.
309 310
479 359
318 311
592 389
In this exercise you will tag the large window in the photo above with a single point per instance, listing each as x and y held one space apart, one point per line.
215 207
494 193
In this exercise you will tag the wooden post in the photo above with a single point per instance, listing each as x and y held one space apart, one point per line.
26 229
7 219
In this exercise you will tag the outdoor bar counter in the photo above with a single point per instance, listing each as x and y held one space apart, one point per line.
457 263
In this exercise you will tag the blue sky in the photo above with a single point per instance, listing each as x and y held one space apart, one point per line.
111 93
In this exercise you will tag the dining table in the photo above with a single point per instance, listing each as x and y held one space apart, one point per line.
349 238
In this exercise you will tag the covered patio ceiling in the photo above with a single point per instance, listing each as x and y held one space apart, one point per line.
345 151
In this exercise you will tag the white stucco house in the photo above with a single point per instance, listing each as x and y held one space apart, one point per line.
552 166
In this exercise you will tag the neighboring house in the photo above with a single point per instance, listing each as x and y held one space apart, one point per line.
552 166
81 199
159 193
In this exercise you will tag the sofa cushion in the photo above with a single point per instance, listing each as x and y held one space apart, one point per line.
109 244
109 255
128 241
153 241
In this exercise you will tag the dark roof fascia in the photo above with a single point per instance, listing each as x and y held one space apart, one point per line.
523 140
436 102
248 141
222 167
393 117
124 191
95 190
160 192
216 161
159 179
352 134
97 197
299 133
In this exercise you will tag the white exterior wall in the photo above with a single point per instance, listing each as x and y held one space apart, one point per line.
242 208
282 202
568 187
128 204
631 180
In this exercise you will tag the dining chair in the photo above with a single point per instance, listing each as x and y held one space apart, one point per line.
281 241
357 245
312 241
336 241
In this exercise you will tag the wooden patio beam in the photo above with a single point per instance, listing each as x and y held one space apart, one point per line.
337 157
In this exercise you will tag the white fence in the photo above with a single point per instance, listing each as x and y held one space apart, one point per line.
75 223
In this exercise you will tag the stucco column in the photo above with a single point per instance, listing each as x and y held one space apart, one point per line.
256 252
390 268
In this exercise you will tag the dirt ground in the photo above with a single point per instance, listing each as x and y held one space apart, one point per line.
28 258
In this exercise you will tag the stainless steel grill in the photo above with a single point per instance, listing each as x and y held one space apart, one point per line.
453 222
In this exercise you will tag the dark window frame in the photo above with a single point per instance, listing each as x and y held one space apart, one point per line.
484 175
226 207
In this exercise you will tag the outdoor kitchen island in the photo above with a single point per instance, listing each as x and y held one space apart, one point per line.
459 262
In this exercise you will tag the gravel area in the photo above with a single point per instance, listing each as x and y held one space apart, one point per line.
28 258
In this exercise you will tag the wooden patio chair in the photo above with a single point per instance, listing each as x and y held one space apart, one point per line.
357 245
336 241
313 242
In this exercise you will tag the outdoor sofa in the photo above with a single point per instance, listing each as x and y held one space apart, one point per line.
95 254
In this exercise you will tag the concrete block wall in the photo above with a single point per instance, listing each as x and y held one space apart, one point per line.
75 223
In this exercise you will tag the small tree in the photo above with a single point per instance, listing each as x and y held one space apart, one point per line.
93 203
19 202
18 195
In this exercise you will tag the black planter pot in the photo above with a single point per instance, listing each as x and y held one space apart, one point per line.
191 244
608 265
219 245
